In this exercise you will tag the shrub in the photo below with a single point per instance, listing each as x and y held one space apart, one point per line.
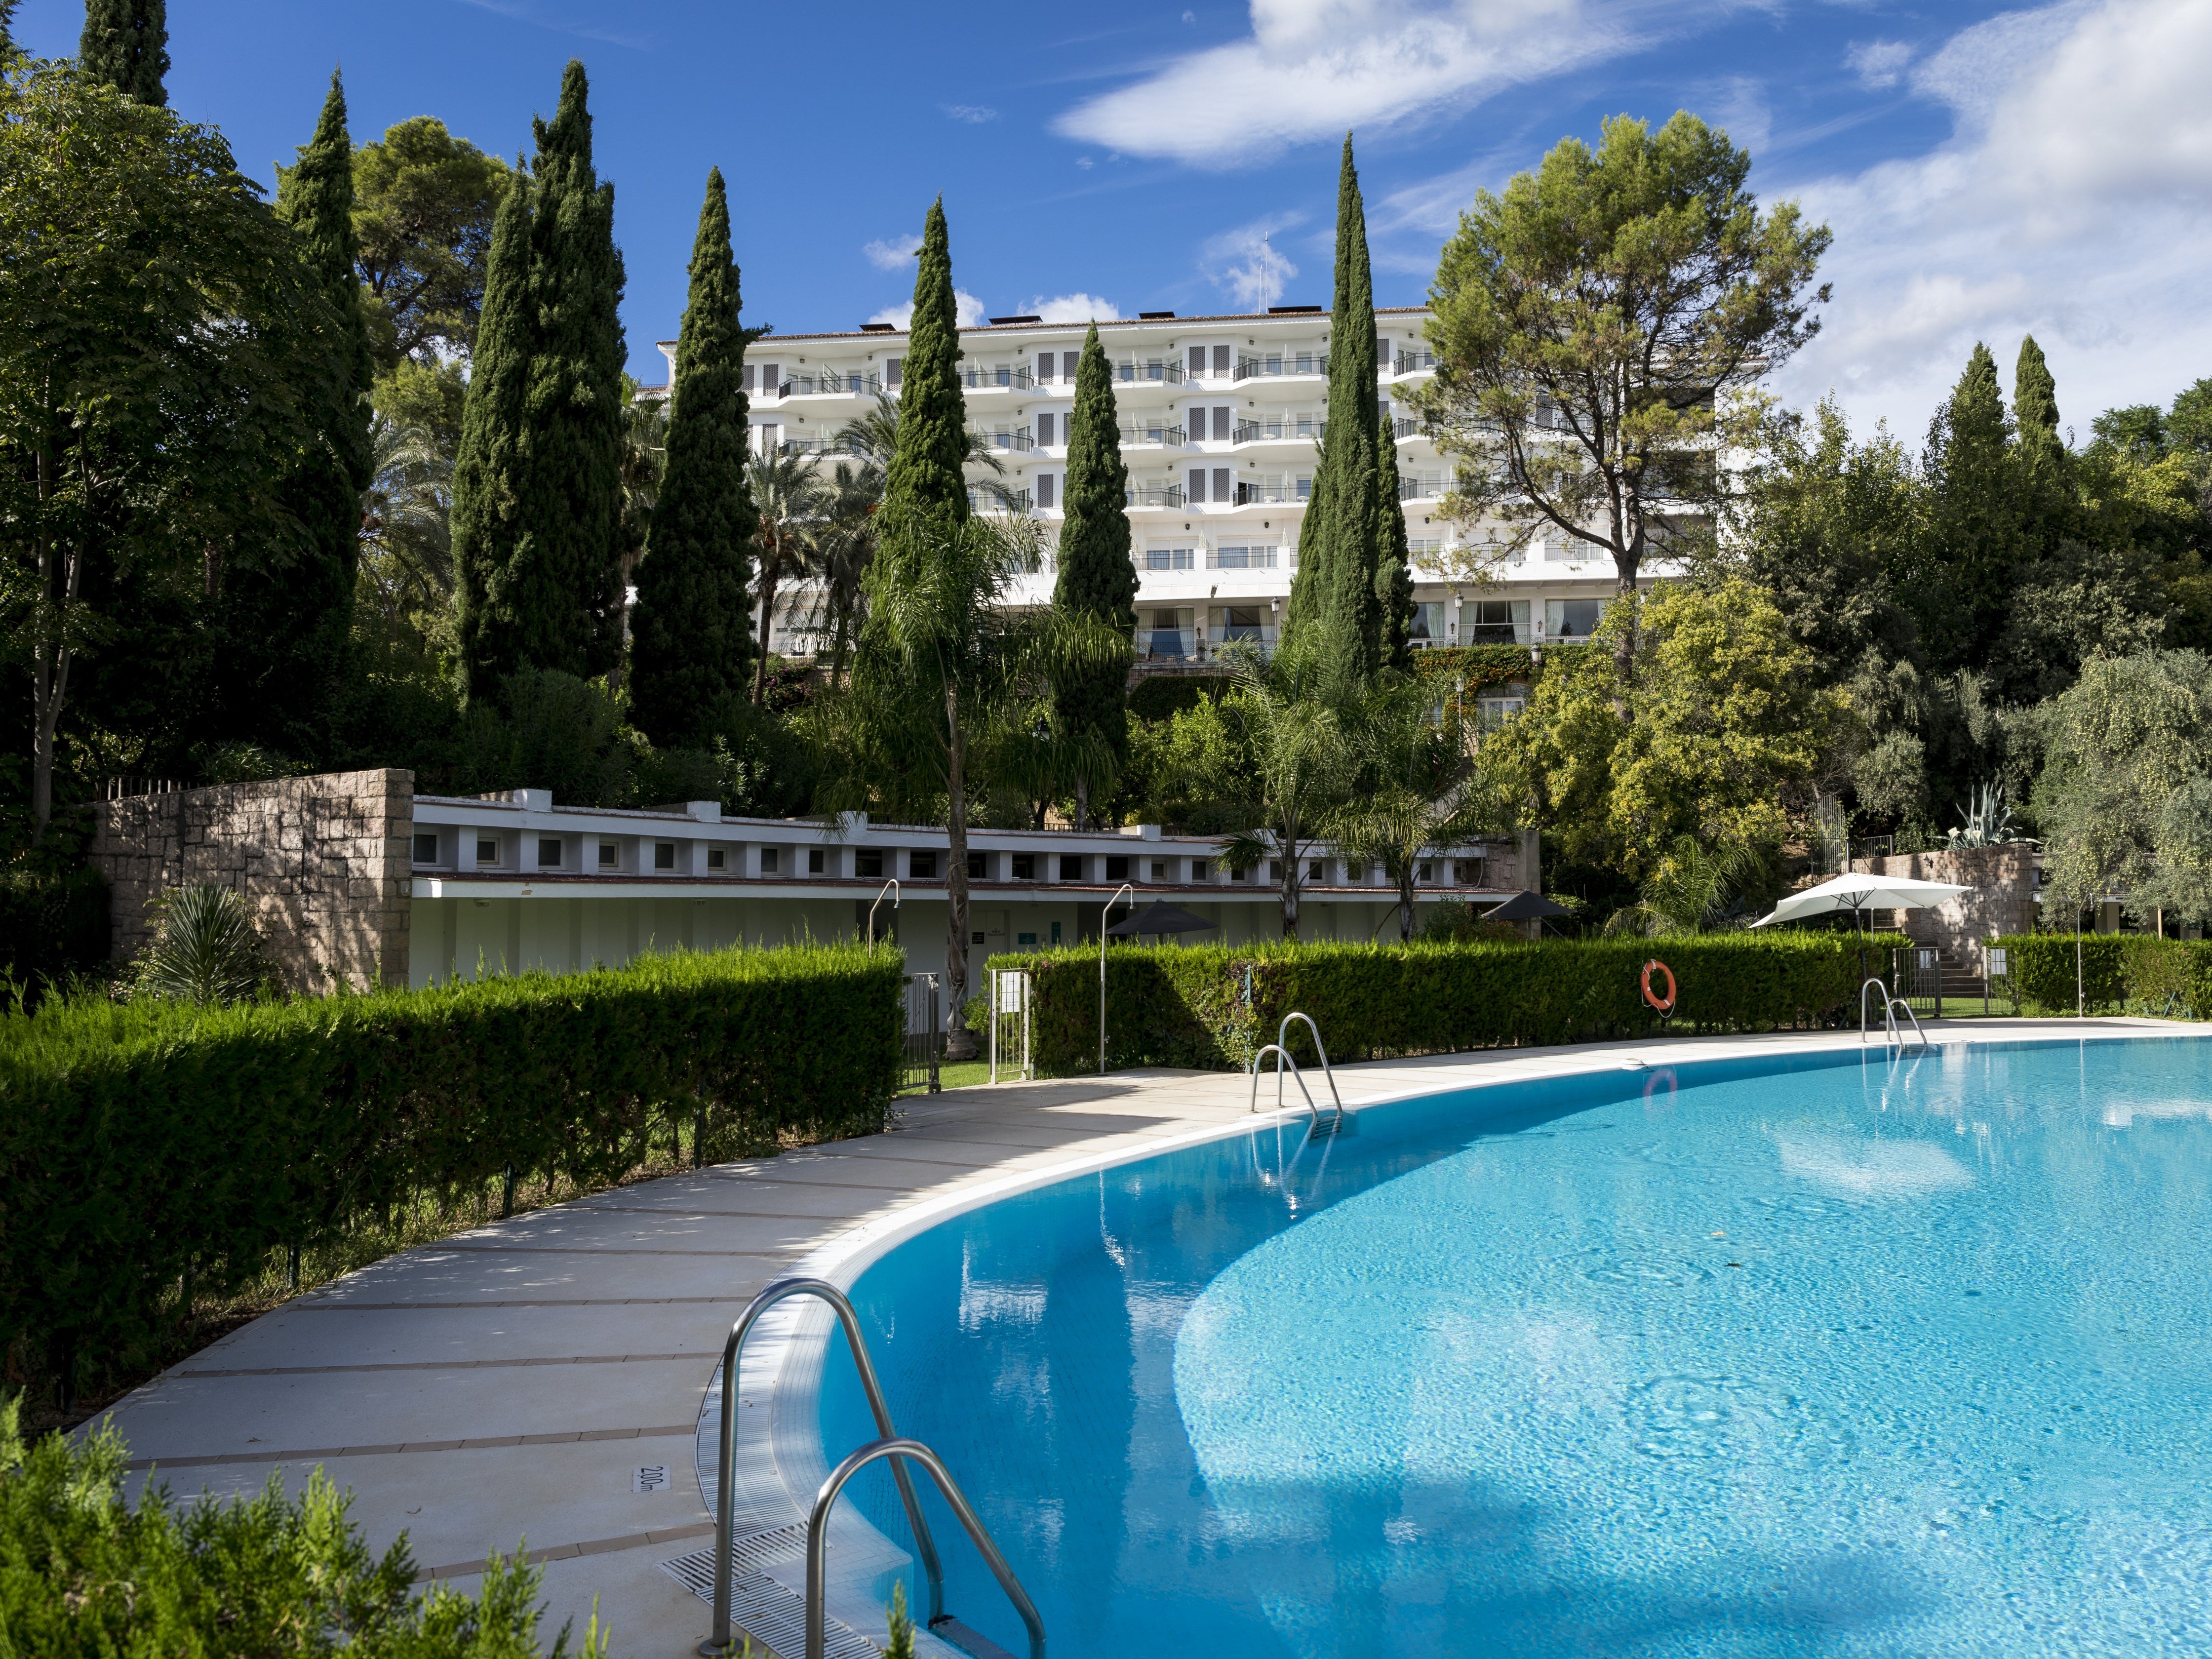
53 924
205 949
82 1573
2134 972
146 1144
1214 1006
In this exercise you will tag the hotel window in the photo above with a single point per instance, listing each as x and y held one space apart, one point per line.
1168 558
868 862
1429 621
1240 875
768 861
1044 430
1571 619
1466 872
664 855
1044 492
425 848
1275 869
1025 866
1313 870
1355 874
1198 868
976 866
609 854
487 849
1424 872
1071 866
1225 425
1159 871
549 852
1117 869
1493 622
1223 493
921 867
1068 360
718 857
813 860
771 380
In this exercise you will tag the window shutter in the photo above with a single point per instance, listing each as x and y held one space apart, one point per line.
771 377
1221 360
1197 362
1223 429
1222 492
1044 491
1044 364
891 367
752 378
1068 360
1196 492
1044 434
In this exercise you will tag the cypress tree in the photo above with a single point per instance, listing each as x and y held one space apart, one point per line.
126 43
1959 586
691 638
1393 569
7 27
2044 463
924 481
571 503
1334 587
1097 578
495 597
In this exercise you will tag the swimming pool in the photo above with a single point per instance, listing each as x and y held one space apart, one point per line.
1839 1355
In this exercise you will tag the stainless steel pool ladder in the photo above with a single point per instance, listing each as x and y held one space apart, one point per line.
1321 1127
887 1445
1890 1004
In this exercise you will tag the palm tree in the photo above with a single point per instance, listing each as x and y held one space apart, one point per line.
1293 709
848 547
1416 795
406 537
1694 889
788 496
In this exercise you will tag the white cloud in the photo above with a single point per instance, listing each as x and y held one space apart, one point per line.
968 309
2070 202
974 114
892 252
1246 263
1878 63
1074 308
1310 69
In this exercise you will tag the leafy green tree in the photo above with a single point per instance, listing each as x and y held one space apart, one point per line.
500 596
1411 796
1959 582
424 205
789 511
1293 709
690 641
157 330
1394 566
1696 887
1334 590
1097 577
126 43
1590 324
924 491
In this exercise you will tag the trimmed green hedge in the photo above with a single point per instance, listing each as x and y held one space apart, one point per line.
146 1144
2133 973
1212 1008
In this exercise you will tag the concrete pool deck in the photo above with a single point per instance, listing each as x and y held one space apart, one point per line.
513 1382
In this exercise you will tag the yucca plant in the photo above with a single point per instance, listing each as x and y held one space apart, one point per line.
205 950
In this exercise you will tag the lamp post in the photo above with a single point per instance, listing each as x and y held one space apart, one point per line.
1124 888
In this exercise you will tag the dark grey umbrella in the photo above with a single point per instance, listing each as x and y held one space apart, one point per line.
1161 917
1525 907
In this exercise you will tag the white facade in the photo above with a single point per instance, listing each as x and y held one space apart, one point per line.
514 883
1220 417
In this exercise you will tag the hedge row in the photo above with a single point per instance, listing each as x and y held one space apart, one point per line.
1214 1006
147 1144
2136 973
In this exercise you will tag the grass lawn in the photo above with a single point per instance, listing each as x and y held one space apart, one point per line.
959 1075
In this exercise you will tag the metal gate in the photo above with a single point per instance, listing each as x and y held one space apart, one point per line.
1010 1022
1916 974
925 1035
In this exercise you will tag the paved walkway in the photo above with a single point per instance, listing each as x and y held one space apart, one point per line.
542 1378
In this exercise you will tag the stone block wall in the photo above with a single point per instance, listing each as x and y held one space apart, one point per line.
2001 900
323 863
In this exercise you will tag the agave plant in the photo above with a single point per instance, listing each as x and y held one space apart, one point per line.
1989 822
206 950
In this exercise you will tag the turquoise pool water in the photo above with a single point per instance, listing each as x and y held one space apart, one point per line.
1841 1357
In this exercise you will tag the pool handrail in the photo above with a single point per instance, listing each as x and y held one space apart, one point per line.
1900 1002
901 1451
1874 984
1283 1036
719 1643
1890 1004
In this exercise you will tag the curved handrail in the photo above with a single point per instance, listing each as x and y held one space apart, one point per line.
1282 1058
817 1537
725 1475
1875 984
1925 1046
892 887
1282 1035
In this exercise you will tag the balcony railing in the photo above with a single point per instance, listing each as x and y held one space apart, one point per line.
1405 427
1152 496
1283 363
1163 373
827 385
997 501
1261 494
1166 644
1274 429
1004 376
1412 362
1166 434
1019 441
815 447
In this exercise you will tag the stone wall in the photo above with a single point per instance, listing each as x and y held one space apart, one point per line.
323 862
2001 900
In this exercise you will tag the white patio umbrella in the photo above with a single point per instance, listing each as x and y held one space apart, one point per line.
1862 893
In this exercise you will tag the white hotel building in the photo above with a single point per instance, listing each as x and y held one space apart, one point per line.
1219 417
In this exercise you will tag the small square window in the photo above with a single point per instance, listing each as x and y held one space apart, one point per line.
922 867
975 866
1071 866
425 848
813 860
1198 869
1274 869
768 860
1313 870
609 854
1426 872
1240 875
868 862
1159 870
549 852
1117 869
664 855
1025 870
487 849
718 857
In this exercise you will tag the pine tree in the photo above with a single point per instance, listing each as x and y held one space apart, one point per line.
1097 578
1960 581
2045 465
126 43
1334 588
572 499
691 641
7 26
496 598
925 483
1393 569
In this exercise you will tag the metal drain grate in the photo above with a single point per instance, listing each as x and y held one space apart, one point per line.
765 1610
754 1552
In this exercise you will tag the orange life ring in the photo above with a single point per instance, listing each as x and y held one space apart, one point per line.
1666 1005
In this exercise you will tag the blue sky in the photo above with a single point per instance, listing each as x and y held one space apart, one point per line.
1987 172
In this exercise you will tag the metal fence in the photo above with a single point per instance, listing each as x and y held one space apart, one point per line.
1916 974
925 1035
1010 1023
